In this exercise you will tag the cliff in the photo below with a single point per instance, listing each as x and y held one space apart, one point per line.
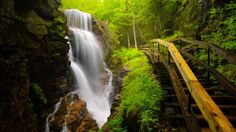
33 62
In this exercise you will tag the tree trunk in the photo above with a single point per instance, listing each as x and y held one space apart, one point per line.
134 31
128 39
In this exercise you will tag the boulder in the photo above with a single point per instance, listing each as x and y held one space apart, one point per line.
73 114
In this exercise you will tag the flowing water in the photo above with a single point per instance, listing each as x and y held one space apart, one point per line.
88 68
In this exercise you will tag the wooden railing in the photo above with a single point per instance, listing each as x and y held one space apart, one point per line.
217 121
231 57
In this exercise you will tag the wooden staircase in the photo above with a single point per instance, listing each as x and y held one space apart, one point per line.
179 107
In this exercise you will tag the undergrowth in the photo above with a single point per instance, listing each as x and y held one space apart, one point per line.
223 26
140 95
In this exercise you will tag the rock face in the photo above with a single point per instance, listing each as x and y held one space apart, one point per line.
116 102
104 36
72 113
33 62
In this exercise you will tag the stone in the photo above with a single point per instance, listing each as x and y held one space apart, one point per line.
73 113
36 25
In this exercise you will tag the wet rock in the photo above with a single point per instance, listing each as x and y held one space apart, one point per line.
104 36
73 113
104 77
116 102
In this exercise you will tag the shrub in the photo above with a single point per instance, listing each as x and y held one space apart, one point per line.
141 93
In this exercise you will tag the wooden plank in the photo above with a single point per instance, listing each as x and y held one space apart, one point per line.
217 121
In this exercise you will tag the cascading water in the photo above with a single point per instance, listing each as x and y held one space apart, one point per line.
87 64
88 68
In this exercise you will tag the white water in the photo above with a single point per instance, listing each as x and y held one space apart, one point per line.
87 65
50 117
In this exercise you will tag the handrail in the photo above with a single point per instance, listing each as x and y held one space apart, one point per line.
219 51
217 121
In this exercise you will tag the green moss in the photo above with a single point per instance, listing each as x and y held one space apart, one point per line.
58 27
35 24
140 95
116 124
124 55
39 92
174 36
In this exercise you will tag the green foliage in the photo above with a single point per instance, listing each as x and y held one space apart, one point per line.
39 92
174 36
124 55
119 14
229 45
141 94
229 71
223 25
95 131
58 27
116 124
91 6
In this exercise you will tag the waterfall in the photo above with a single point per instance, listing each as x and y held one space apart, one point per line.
88 67
87 64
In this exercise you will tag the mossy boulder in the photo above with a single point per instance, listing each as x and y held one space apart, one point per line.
35 24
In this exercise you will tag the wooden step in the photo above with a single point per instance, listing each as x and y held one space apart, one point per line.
222 107
226 109
215 91
171 104
201 122
223 99
230 117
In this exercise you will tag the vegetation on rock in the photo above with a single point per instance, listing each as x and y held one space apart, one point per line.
140 95
37 90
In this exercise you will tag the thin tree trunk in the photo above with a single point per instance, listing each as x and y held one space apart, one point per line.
155 27
128 39
134 31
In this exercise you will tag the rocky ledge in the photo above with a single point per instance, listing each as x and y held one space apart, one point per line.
73 114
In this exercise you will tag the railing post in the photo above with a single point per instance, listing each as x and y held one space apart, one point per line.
208 62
